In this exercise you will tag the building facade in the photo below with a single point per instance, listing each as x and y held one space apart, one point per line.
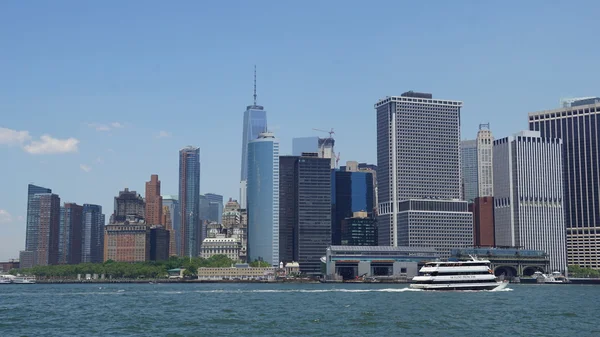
483 221
418 157
470 183
528 206
189 200
577 124
153 210
169 227
128 203
215 207
221 245
288 215
46 207
352 191
160 239
477 165
263 199
70 236
359 230
32 231
127 242
172 203
92 234
255 123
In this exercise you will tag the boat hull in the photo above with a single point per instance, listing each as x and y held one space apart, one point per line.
457 286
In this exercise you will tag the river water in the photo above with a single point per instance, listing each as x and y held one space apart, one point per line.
295 310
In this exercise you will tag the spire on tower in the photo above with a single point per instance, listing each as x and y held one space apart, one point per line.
255 84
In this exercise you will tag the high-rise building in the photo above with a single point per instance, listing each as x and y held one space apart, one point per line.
352 191
92 234
578 125
305 145
326 150
159 243
528 201
153 209
359 230
263 199
31 237
470 183
169 227
477 163
128 203
255 123
189 200
46 208
305 210
70 234
215 207
483 221
418 163
172 203
127 241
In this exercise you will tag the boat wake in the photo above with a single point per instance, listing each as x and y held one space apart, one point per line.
387 290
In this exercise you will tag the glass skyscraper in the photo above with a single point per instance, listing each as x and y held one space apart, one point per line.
172 203
263 199
255 122
351 192
92 234
189 200
31 233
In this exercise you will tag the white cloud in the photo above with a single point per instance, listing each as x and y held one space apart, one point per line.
105 127
163 134
117 125
5 217
13 137
49 145
85 168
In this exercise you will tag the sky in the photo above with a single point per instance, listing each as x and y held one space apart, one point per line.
97 96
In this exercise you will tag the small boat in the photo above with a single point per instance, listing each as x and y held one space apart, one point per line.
457 275
556 277
4 280
24 280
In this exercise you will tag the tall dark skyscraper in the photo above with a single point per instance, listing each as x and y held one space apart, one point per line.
351 192
255 122
578 125
31 235
189 200
47 207
215 207
69 249
153 208
305 186
92 234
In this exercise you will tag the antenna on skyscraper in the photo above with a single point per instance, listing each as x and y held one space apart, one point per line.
255 84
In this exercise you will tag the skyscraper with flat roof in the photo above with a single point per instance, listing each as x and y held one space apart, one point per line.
69 248
189 200
418 172
46 206
263 199
33 216
153 209
172 203
92 235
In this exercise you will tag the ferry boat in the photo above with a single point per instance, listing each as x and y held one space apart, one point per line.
4 280
24 280
457 275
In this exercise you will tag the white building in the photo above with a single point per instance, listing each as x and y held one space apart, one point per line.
477 165
221 245
528 200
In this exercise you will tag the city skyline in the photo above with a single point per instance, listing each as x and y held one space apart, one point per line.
93 113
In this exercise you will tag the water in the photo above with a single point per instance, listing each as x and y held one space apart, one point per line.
294 310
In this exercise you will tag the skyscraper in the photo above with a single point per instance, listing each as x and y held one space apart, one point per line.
128 203
215 207
69 249
92 235
153 201
578 125
529 195
169 227
172 203
351 192
263 199
255 122
46 207
418 163
470 183
485 161
189 197
31 234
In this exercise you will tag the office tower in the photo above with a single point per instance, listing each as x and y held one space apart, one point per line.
45 208
159 243
215 207
477 163
31 234
71 226
169 227
364 167
153 209
231 214
359 230
305 144
470 183
418 163
92 234
255 123
204 208
172 203
578 125
189 200
263 199
352 191
127 242
128 203
528 201
26 259
483 221
305 210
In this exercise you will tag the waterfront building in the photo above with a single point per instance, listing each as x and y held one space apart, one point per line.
128 241
352 191
221 245
483 221
128 203
169 227
238 272
31 234
305 145
153 210
359 230
189 200
263 199
92 234
45 209
577 124
528 205
7 266
418 163
160 239
172 203
509 262
255 123
26 259
70 234
305 210
215 207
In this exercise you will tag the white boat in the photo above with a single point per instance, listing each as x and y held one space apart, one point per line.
24 280
556 277
4 280
457 275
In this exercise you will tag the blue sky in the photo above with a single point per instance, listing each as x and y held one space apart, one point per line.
95 97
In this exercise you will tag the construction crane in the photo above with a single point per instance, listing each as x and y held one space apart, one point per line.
331 132
337 160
